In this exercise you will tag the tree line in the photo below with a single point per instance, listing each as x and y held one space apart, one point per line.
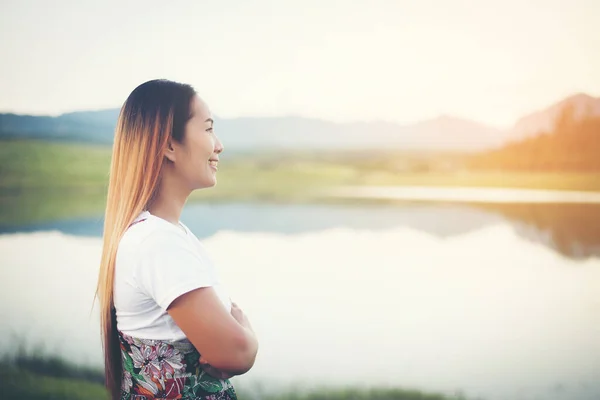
573 144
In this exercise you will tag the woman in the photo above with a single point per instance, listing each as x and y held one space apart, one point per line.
169 329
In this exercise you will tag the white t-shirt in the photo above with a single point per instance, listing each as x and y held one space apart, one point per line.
157 262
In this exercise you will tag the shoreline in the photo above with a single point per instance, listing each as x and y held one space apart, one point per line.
466 194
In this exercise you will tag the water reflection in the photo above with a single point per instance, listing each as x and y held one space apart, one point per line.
570 229
482 310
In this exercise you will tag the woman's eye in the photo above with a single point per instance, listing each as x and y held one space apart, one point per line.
209 130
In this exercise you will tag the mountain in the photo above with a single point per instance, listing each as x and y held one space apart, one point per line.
457 132
570 143
249 134
104 118
295 132
543 120
84 126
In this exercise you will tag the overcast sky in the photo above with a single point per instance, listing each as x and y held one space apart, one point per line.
491 61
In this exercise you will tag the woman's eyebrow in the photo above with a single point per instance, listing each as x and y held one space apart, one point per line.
210 120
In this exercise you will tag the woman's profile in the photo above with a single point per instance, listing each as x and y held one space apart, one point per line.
169 329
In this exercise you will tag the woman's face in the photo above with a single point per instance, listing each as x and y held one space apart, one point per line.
197 157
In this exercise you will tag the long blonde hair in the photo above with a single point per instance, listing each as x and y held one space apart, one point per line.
154 113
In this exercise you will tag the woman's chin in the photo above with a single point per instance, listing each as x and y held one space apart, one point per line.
208 183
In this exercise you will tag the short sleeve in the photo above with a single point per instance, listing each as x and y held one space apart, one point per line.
168 267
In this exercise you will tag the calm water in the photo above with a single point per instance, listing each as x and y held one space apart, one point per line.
501 302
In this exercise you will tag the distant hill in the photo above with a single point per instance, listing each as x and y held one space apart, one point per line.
294 132
572 143
85 126
444 133
541 121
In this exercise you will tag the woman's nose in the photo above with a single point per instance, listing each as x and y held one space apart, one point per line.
219 146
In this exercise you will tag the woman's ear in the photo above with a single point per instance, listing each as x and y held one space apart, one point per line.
170 151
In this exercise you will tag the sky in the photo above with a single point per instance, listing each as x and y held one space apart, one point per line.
400 61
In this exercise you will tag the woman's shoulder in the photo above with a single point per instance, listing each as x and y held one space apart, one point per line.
148 233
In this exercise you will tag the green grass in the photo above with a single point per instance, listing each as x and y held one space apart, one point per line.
36 374
529 180
20 382
39 205
42 181
351 392
30 164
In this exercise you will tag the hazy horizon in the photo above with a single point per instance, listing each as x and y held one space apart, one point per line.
487 61
374 120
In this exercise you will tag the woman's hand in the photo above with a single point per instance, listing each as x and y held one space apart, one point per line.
223 342
212 371
239 316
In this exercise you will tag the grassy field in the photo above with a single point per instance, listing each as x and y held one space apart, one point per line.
43 181
35 377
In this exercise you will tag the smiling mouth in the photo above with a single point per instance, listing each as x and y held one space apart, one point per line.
213 163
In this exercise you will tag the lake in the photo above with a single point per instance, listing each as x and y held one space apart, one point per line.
497 301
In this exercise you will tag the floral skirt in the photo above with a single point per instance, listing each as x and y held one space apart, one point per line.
159 369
